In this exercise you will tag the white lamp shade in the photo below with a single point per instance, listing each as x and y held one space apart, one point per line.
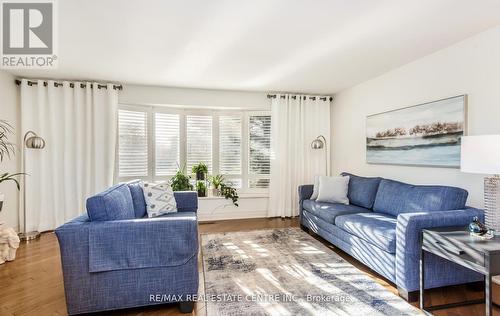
480 154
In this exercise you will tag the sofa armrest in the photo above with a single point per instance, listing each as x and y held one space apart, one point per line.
127 244
73 238
409 225
408 233
187 201
142 243
133 242
305 192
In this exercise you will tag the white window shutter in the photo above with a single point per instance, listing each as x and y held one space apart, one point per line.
230 145
259 145
199 140
132 143
167 146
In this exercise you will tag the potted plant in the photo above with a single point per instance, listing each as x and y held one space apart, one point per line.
180 181
201 188
200 170
216 182
229 193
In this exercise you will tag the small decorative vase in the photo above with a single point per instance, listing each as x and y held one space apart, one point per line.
215 192
476 227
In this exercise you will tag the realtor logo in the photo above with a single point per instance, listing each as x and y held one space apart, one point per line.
28 34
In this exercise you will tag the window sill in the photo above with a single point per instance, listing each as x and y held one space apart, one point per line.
241 196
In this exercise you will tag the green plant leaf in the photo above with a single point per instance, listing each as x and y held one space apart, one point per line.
6 148
11 177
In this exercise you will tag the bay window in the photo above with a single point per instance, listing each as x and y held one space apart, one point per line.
154 142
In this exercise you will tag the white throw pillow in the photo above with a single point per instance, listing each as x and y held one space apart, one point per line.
333 189
159 199
314 196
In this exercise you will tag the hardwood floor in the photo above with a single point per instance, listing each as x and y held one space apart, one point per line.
33 285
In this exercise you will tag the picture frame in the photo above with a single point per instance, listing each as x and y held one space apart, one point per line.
427 134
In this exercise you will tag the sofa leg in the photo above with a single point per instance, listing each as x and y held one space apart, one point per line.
475 286
304 228
186 307
409 296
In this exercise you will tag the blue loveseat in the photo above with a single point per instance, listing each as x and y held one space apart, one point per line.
115 257
381 227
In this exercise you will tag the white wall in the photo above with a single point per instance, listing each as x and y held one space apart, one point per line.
217 208
470 67
150 95
9 110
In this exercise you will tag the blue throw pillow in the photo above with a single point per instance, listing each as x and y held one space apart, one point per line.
113 204
362 190
136 191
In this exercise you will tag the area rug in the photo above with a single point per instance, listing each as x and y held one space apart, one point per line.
288 272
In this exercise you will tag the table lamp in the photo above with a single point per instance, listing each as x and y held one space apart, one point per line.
481 154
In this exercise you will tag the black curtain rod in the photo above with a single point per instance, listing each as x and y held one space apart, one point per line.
272 96
72 85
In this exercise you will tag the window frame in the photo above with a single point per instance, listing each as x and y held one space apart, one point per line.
183 113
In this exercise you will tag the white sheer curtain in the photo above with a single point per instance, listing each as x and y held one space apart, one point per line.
78 122
296 121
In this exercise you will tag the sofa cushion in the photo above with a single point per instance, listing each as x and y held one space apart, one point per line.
376 228
136 191
395 197
328 211
113 204
362 190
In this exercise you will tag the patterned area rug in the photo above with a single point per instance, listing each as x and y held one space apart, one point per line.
288 272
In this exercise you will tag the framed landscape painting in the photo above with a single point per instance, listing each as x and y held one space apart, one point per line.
427 134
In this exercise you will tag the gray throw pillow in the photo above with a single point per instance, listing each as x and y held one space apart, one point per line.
314 196
333 189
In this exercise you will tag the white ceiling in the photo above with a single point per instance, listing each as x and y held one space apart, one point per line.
320 46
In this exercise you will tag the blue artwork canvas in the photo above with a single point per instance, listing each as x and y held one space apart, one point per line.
427 134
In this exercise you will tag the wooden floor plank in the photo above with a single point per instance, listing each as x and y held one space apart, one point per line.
33 285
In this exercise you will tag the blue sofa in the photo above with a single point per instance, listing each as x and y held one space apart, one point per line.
381 227
116 257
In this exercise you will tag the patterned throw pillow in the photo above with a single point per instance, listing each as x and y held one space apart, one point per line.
159 199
